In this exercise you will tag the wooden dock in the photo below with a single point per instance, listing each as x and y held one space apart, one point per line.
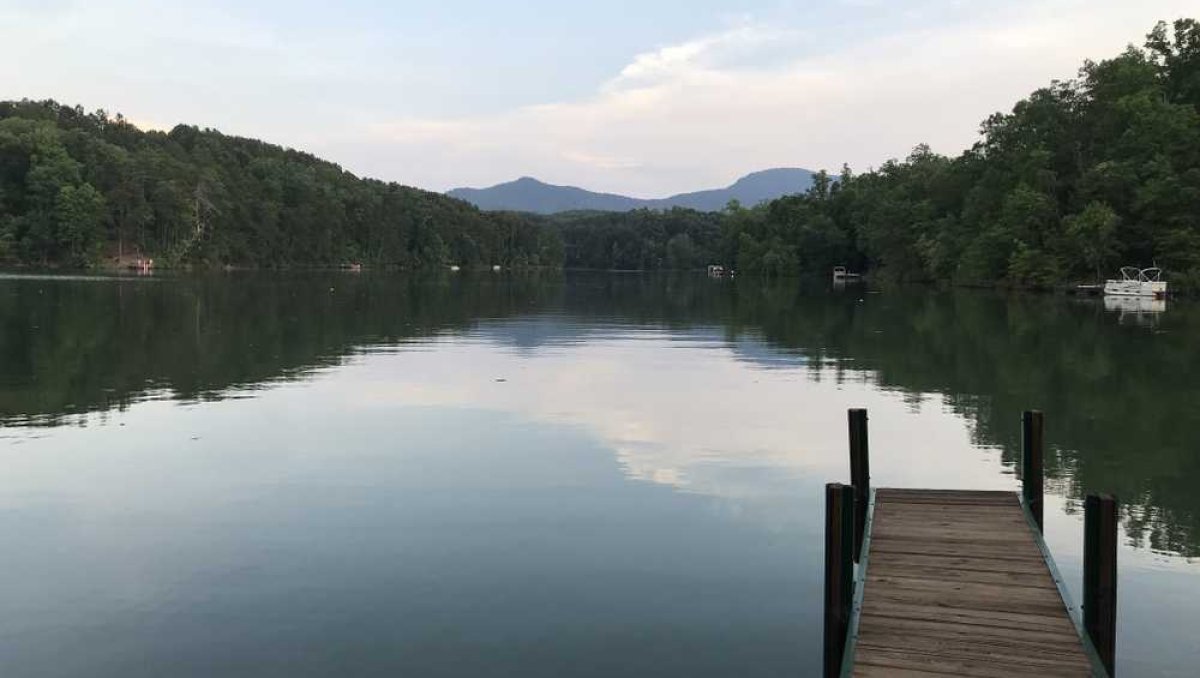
960 582
955 584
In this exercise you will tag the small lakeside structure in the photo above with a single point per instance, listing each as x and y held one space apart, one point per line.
1134 282
840 274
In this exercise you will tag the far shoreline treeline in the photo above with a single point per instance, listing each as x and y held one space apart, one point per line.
1081 177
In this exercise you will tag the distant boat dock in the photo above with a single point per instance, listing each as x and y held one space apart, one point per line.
1134 282
842 274
959 582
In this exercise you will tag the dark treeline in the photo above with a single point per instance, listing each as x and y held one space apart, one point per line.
1081 177
792 235
77 188
643 239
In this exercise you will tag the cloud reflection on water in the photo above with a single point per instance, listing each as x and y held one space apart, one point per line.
688 409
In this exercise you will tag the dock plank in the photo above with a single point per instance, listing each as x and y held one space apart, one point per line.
957 585
895 660
1032 579
942 564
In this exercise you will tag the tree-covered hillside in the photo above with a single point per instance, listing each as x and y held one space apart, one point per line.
1080 178
79 188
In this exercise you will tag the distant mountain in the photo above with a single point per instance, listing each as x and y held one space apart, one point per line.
530 195
750 190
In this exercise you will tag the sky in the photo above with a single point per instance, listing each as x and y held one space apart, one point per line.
642 98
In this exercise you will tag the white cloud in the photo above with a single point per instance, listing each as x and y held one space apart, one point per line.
701 112
666 60
704 53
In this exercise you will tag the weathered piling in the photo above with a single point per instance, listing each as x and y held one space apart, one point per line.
839 572
1032 464
1100 575
860 475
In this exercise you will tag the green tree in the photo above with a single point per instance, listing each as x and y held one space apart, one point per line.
80 213
1094 235
1177 53
681 252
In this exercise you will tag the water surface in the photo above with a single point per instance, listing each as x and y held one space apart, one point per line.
540 476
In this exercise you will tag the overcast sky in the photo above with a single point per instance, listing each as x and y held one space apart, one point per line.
644 98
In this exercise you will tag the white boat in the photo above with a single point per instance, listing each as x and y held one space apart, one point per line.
1135 282
840 273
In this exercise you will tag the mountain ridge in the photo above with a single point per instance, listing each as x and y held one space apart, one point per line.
527 194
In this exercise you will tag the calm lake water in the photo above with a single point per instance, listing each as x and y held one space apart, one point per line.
589 475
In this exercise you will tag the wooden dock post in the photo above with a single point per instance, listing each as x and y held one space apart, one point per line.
1100 575
839 572
860 475
1032 464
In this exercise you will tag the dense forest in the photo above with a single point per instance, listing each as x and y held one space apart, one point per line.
1079 178
78 189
